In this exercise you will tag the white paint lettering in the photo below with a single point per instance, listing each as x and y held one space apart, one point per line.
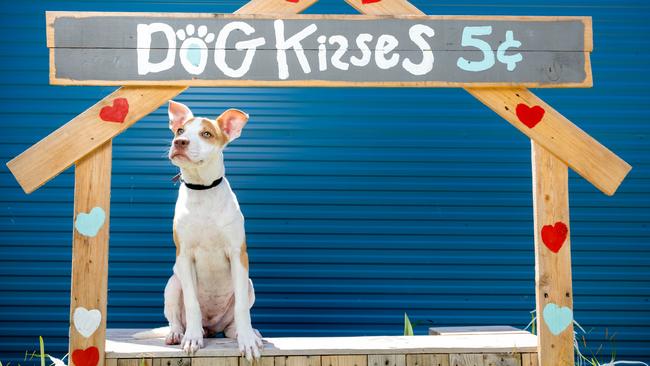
144 32
426 65
385 45
338 54
250 46
366 54
282 44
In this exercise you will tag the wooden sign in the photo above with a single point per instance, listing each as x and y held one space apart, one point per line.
318 50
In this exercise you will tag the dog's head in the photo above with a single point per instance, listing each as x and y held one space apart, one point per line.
199 140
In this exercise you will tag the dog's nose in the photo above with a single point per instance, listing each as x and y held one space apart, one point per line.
181 143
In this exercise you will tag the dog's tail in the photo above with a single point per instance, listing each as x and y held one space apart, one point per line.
153 333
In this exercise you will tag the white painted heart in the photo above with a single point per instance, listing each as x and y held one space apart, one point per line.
557 318
88 224
86 321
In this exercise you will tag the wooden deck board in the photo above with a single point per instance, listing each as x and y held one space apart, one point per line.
120 344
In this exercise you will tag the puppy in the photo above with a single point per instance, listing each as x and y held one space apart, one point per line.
210 291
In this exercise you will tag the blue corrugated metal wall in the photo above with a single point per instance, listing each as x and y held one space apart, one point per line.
361 204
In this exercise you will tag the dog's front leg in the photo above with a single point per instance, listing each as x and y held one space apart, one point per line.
249 341
186 273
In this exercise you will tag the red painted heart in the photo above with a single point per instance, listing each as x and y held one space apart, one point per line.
117 112
530 116
293 1
369 1
86 357
554 236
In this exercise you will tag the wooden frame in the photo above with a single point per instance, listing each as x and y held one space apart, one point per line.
557 144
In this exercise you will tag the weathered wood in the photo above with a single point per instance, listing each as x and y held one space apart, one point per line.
502 359
549 51
387 360
215 361
77 138
298 361
555 133
466 359
427 359
92 195
263 361
490 329
344 360
120 344
552 258
176 361
135 362
529 359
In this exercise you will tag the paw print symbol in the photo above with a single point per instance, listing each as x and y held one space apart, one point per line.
194 49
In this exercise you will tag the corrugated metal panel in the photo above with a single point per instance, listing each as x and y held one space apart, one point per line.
361 204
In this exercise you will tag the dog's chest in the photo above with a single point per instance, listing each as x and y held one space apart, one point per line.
207 220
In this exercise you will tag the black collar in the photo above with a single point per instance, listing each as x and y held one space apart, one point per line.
201 187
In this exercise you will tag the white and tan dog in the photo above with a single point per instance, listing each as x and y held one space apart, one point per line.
210 291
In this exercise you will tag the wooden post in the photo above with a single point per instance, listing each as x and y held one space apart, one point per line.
88 292
552 259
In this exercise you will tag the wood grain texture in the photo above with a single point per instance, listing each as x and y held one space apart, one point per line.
529 359
503 359
175 361
586 156
466 359
218 361
263 361
135 362
90 254
120 344
298 361
84 133
427 359
344 360
387 360
552 270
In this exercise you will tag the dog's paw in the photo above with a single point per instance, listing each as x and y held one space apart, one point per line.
192 341
250 343
173 337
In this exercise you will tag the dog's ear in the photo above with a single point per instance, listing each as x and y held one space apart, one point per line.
231 122
179 113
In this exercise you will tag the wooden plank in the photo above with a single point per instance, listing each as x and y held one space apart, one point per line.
387 360
174 361
466 359
92 194
84 133
552 258
503 359
529 359
344 360
59 150
427 359
568 142
215 361
491 329
263 361
134 362
582 153
110 362
298 361
544 51
120 344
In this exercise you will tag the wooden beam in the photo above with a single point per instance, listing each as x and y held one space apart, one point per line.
556 133
586 156
84 133
92 195
552 258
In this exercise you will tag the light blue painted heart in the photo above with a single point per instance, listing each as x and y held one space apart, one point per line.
194 55
557 318
88 224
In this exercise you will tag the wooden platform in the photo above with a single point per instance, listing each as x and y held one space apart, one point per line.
467 349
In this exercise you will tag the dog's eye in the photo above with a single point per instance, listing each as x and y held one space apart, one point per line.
179 131
206 134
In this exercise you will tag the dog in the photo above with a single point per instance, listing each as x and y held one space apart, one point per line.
210 290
